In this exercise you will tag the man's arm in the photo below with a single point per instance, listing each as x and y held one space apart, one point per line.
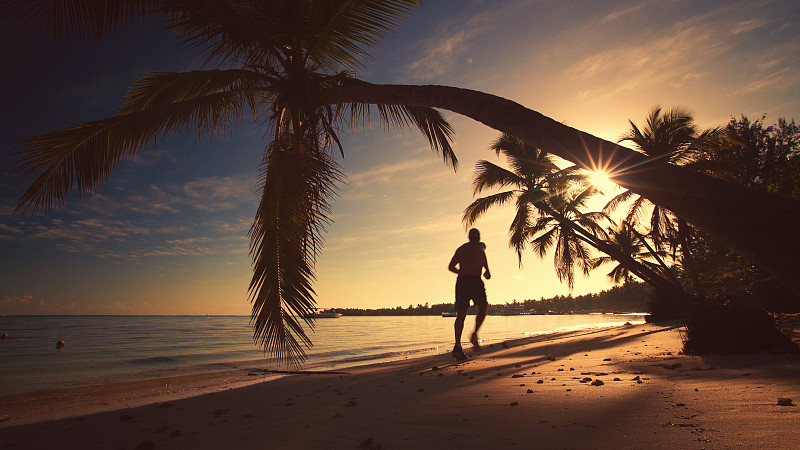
486 274
452 266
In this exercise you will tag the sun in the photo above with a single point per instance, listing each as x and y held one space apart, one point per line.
602 181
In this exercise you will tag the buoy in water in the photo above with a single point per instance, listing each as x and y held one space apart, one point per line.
60 345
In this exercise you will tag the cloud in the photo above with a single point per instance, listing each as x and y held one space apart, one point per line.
361 185
747 25
440 54
23 299
624 12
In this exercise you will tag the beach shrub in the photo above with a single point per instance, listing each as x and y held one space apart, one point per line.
733 323
662 307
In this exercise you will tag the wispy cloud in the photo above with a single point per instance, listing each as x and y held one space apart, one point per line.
361 185
626 11
747 25
441 54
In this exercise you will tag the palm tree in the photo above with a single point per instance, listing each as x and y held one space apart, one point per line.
548 202
534 175
673 137
625 237
571 231
279 54
289 62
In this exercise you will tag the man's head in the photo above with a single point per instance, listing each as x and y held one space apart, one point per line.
474 235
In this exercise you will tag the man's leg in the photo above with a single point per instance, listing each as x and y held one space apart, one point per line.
478 322
458 352
461 316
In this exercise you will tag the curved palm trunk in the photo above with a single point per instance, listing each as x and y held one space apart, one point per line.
756 223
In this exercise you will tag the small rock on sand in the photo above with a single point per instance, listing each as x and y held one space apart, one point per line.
514 404
366 443
530 391
125 417
146 444
351 403
785 401
597 383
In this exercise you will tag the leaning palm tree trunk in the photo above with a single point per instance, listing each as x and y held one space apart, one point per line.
733 214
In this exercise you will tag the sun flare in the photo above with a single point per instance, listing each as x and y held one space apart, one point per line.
602 181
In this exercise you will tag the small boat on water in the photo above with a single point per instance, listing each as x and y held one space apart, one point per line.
322 313
449 314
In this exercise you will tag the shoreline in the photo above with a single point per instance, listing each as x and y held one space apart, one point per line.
640 392
60 403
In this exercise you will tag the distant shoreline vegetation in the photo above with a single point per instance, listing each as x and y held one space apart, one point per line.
629 298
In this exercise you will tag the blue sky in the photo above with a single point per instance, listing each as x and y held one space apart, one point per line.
166 234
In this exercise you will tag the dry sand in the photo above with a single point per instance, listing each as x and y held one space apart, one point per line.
541 392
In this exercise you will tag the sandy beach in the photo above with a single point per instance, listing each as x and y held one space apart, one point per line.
620 387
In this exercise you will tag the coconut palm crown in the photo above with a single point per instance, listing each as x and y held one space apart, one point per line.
533 177
269 59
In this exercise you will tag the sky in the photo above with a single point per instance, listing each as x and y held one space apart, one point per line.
167 233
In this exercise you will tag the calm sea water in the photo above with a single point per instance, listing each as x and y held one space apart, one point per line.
109 349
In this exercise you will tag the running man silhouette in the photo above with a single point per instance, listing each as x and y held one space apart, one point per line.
470 259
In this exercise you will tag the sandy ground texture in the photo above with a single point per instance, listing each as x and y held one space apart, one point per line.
621 387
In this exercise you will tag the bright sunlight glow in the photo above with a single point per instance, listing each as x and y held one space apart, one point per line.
601 181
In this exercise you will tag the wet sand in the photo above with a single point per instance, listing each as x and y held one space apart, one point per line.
621 387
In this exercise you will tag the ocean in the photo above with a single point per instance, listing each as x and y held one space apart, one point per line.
110 349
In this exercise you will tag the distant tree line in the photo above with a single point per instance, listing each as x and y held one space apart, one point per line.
628 298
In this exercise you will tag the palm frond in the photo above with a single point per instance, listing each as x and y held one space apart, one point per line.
488 175
617 200
80 157
478 207
157 90
518 232
80 19
542 243
296 186
429 121
345 30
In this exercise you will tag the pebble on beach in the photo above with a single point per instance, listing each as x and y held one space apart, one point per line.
785 401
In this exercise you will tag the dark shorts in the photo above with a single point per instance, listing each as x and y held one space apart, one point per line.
470 287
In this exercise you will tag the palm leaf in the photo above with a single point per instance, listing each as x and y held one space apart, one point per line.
429 121
518 231
80 19
478 207
285 238
489 175
80 157
345 30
